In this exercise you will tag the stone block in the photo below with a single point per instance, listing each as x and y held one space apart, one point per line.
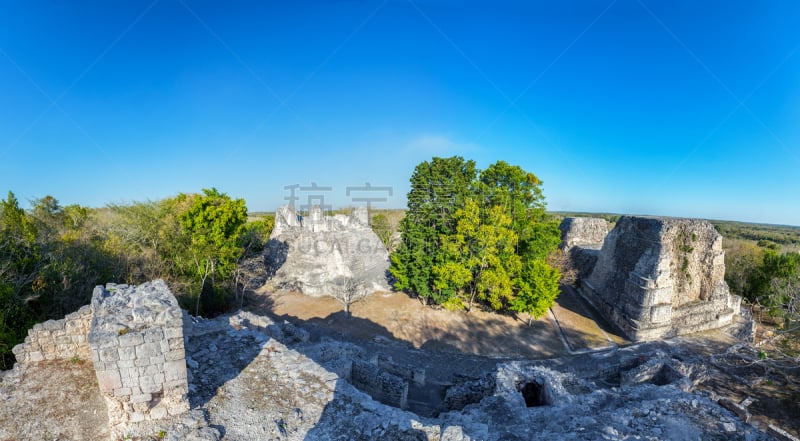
175 355
150 386
147 350
660 313
127 353
136 417
108 354
53 325
108 381
141 398
175 332
130 339
158 413
174 370
122 392
153 335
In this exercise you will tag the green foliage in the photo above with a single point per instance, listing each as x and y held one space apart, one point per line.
538 289
255 235
471 236
52 256
438 188
213 223
382 228
49 263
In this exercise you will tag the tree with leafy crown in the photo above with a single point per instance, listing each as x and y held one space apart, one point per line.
469 236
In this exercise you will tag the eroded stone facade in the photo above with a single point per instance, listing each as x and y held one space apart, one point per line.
659 277
312 253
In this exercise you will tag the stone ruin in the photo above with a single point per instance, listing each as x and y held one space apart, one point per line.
137 345
654 277
313 253
134 337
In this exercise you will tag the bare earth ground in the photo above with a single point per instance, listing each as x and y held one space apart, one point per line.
62 393
395 315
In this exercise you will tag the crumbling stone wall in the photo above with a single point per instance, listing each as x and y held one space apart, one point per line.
582 232
63 339
379 384
137 347
659 277
312 253
581 240
385 362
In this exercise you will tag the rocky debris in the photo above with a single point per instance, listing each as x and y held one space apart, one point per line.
659 277
311 254
137 346
63 339
468 391
251 378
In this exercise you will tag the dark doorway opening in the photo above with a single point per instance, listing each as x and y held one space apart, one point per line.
533 393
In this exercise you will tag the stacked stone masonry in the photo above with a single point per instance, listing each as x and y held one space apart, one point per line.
137 347
379 384
656 277
63 339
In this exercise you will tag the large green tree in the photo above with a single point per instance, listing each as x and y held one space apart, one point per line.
472 235
438 188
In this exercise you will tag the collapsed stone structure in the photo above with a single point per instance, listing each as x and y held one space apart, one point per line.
137 346
313 253
654 277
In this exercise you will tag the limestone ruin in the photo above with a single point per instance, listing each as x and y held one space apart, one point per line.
654 277
313 253
137 346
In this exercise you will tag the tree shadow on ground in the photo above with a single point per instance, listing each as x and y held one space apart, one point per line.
215 354
571 300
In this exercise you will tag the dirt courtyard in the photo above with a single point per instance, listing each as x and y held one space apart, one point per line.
570 327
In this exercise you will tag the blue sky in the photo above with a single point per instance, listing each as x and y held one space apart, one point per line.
642 107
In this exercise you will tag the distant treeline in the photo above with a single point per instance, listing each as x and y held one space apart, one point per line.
779 234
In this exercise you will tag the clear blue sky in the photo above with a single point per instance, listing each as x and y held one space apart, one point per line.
648 107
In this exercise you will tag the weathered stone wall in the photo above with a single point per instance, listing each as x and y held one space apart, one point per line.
417 376
659 277
63 339
137 347
581 240
311 253
379 384
582 231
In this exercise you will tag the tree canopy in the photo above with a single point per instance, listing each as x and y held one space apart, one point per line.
477 235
